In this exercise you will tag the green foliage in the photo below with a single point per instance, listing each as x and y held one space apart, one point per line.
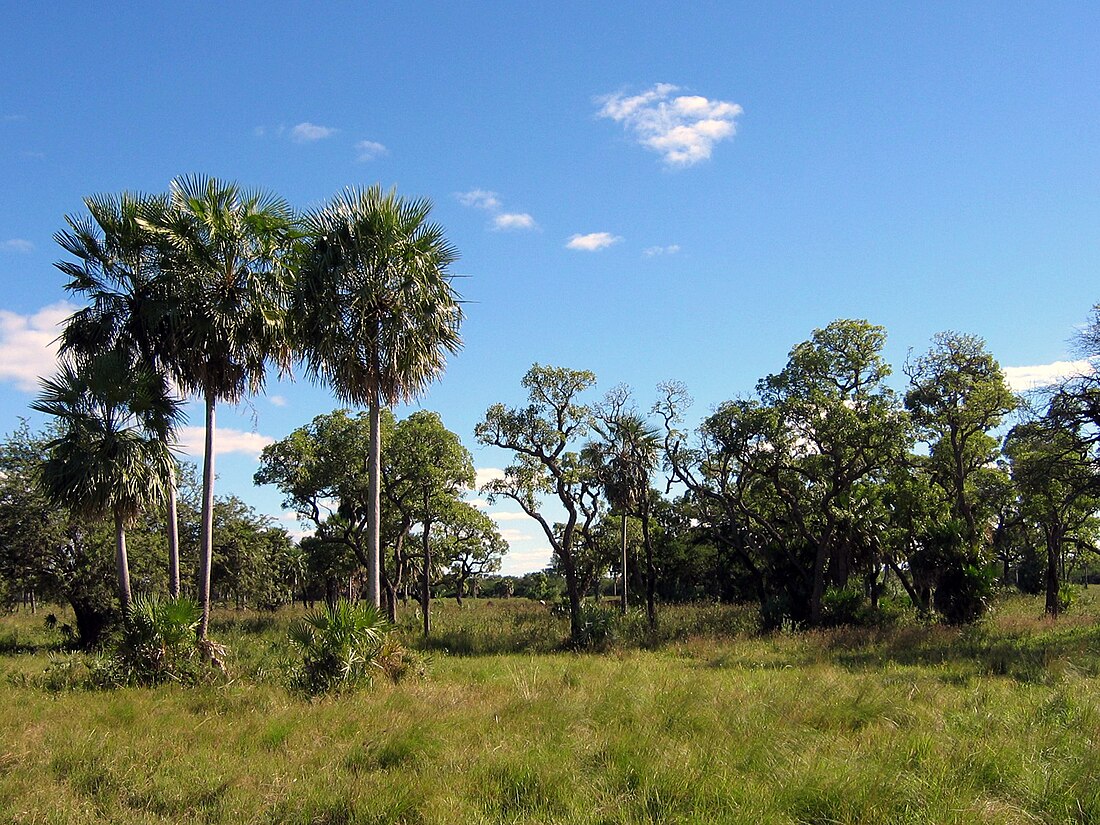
156 644
964 591
341 646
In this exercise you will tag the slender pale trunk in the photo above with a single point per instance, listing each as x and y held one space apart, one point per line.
173 540
122 564
206 537
426 582
374 503
623 604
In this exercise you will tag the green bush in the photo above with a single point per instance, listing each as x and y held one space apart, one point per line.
342 647
157 643
845 605
1067 595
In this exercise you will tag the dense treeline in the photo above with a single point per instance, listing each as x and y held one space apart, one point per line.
825 495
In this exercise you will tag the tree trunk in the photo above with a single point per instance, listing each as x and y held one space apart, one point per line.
206 536
623 603
426 582
391 597
374 503
122 564
1054 552
650 572
173 540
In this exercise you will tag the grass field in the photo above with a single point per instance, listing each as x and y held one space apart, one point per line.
993 724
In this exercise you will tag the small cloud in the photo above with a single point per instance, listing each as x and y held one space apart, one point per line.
479 199
483 475
593 241
508 516
1022 379
277 400
309 132
23 247
369 150
510 534
192 441
683 129
260 131
513 220
653 251
28 344
14 118
32 155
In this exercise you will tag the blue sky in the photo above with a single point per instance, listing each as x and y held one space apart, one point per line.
649 191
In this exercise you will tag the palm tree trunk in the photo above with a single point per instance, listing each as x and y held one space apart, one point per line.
623 604
173 540
374 503
426 582
206 537
122 564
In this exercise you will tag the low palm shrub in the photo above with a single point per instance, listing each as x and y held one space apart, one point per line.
157 643
342 647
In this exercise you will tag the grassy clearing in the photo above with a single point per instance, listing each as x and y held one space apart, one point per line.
994 724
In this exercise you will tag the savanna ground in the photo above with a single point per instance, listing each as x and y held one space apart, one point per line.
996 723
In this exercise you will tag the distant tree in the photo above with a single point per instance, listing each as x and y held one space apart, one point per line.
375 315
957 395
470 544
434 470
1059 482
541 435
624 460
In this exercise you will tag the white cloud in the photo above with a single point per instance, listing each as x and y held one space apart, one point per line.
510 534
508 516
14 118
28 344
593 241
683 129
369 150
513 220
23 247
277 400
308 132
479 199
483 475
192 441
517 562
652 251
1022 379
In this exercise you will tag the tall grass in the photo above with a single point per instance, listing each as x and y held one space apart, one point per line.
992 724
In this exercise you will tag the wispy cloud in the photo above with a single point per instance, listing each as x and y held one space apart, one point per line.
593 241
490 202
14 118
653 251
1022 379
309 132
369 150
277 400
682 129
483 475
508 516
192 441
23 247
513 220
28 344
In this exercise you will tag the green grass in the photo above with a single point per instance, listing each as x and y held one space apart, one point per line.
709 722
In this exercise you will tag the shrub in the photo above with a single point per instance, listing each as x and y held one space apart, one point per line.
341 647
156 644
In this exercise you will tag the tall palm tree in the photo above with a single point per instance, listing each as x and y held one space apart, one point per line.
374 313
224 251
112 456
624 462
118 270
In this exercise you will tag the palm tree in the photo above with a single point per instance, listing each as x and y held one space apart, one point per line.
111 458
374 313
118 269
224 250
624 462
